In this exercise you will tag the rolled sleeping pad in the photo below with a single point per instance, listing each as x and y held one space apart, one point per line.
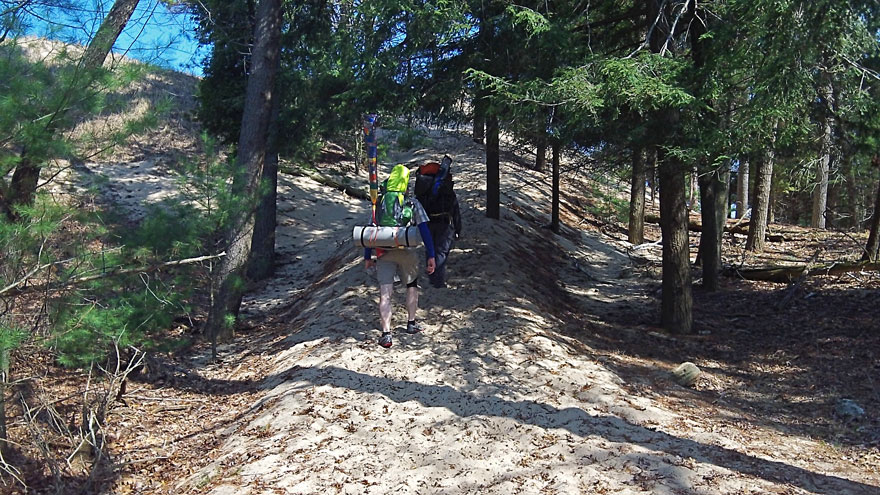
371 236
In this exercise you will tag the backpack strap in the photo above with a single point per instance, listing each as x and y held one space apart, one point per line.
441 175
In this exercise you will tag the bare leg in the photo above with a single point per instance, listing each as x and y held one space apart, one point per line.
385 306
412 302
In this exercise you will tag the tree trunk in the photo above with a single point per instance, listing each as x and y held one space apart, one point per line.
707 212
832 205
722 199
652 173
262 258
110 29
713 211
480 107
554 208
677 300
774 193
541 158
761 203
493 167
753 183
873 246
637 198
261 265
23 186
484 47
253 141
820 192
691 189
4 385
25 178
854 193
742 189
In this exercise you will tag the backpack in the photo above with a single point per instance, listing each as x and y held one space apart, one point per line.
393 209
435 191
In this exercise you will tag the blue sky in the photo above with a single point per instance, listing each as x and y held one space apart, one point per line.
154 34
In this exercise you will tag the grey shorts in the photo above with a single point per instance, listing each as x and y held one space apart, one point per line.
403 262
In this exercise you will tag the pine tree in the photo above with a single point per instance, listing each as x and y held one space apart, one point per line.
253 141
23 184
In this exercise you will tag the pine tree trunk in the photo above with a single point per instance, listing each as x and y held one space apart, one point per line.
253 142
832 204
707 212
493 167
854 193
742 189
691 189
110 29
873 246
261 264
713 211
722 200
4 385
480 105
761 204
637 198
484 45
820 192
554 208
677 300
262 258
23 186
541 152
753 182
541 158
775 190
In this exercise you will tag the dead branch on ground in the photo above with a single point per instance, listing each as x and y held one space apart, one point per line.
788 274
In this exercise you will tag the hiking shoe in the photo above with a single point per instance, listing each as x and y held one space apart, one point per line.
413 327
385 340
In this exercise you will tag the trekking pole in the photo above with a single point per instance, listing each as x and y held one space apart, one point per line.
370 124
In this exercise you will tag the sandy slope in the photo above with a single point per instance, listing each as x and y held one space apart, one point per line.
498 396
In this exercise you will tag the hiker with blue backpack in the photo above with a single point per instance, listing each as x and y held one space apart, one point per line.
434 190
396 209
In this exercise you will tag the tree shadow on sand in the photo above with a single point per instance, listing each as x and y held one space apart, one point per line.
577 422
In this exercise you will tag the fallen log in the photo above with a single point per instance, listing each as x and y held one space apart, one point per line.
734 227
317 177
787 274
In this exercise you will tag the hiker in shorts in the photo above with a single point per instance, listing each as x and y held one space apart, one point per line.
402 261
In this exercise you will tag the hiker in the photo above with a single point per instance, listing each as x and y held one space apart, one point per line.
398 210
441 204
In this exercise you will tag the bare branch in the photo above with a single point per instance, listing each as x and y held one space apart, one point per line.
11 289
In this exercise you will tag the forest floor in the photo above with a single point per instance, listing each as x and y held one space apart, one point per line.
543 369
